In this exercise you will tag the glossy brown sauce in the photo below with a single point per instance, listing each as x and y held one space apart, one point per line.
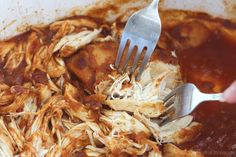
212 67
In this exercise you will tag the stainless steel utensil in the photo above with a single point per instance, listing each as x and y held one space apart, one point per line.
184 99
143 30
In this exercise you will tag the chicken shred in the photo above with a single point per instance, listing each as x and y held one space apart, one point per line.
56 117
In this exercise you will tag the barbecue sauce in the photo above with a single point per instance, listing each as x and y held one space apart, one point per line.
212 67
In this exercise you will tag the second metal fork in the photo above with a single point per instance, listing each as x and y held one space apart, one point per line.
142 30
184 99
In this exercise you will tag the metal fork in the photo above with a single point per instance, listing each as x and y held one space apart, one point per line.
183 100
142 30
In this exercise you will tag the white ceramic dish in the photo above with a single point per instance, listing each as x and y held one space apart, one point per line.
16 15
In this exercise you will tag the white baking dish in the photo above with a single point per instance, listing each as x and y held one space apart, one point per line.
16 15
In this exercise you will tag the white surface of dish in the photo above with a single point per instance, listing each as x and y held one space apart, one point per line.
16 15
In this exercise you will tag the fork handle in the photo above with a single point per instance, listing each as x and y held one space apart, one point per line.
212 97
154 4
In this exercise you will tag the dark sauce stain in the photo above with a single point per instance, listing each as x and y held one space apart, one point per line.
80 154
15 77
82 63
39 76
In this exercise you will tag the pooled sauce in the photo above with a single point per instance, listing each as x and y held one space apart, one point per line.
212 67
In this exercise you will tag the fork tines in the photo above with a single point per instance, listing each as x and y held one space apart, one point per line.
136 47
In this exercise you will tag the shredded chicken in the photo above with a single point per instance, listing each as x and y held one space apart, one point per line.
70 43
147 94
45 112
